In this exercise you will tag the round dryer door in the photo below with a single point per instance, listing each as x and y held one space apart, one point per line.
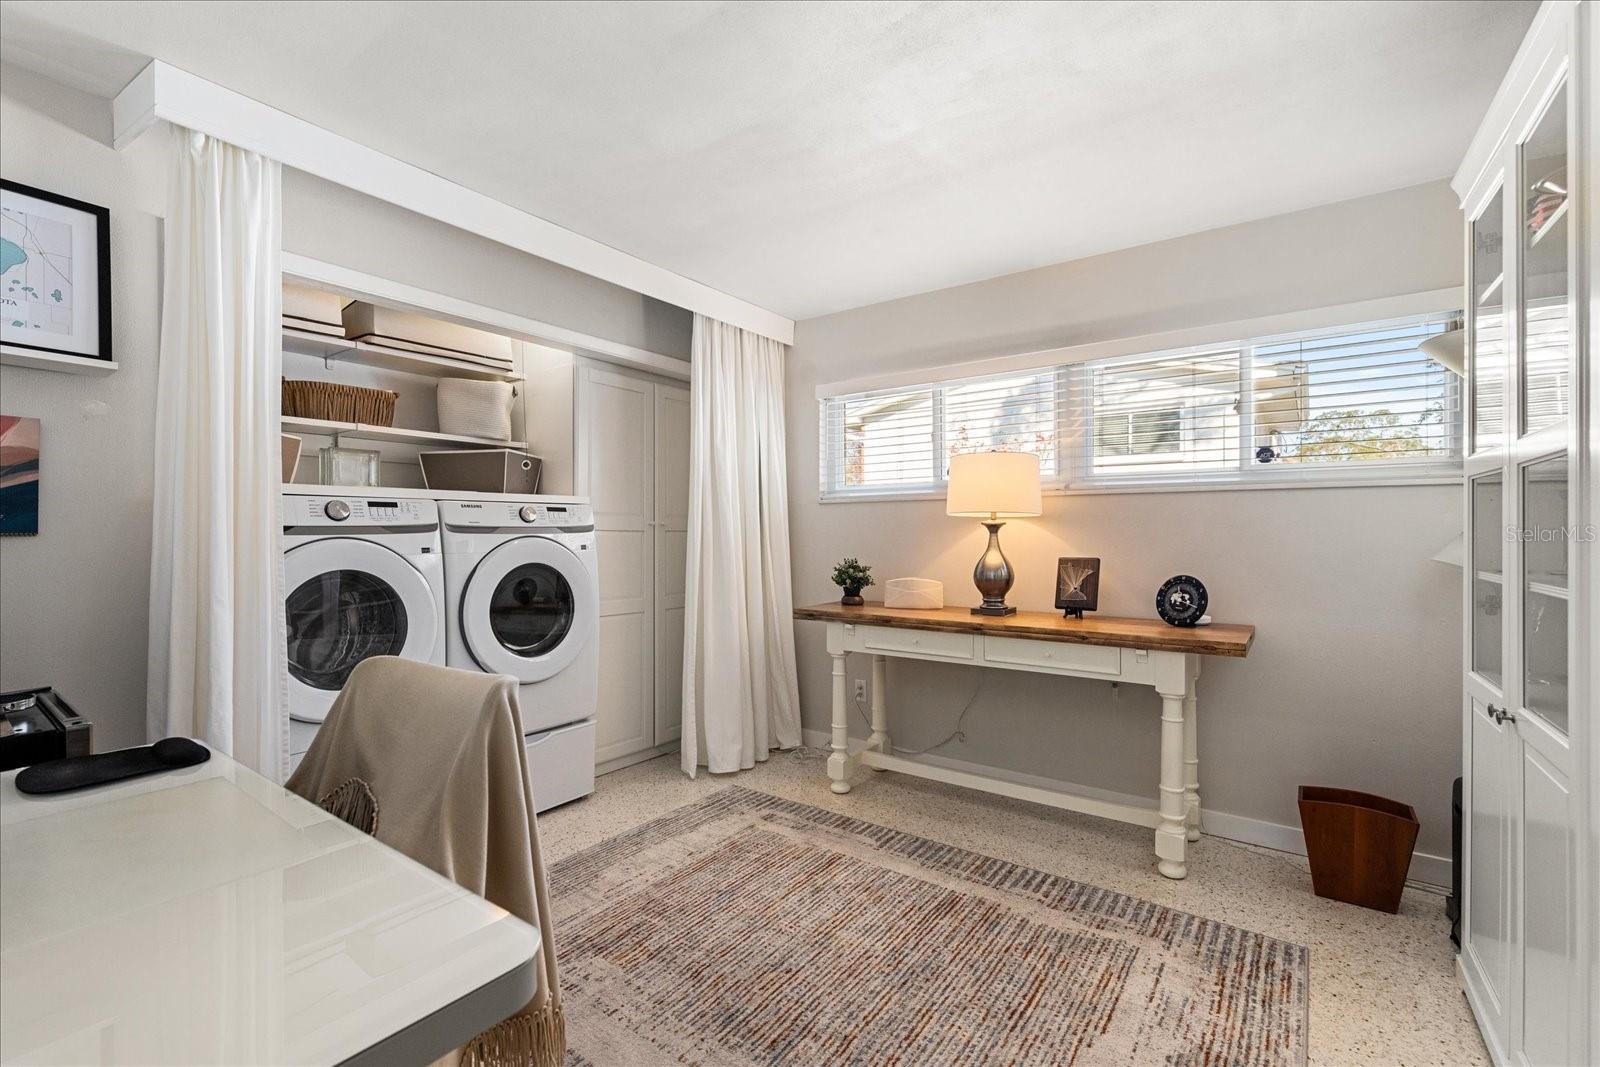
528 609
348 600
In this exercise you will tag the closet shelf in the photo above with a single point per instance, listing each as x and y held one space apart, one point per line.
1550 585
363 432
371 355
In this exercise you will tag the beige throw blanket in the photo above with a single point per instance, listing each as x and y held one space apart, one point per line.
442 751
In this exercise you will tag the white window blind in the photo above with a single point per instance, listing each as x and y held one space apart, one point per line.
1168 415
1359 402
902 440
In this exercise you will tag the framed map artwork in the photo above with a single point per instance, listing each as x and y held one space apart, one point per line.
55 274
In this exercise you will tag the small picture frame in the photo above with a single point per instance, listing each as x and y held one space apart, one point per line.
55 276
1077 585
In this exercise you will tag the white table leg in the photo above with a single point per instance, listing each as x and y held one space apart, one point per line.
880 706
839 761
1172 836
1191 755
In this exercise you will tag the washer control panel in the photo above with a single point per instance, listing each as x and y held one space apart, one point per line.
357 511
548 514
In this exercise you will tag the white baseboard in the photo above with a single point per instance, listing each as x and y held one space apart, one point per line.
1427 870
634 757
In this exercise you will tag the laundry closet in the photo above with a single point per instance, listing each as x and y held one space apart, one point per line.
575 588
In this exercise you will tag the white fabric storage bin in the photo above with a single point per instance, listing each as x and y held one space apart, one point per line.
474 408
925 593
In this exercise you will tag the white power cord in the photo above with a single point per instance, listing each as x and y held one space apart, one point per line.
806 752
955 735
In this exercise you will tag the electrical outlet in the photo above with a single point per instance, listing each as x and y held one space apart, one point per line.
861 689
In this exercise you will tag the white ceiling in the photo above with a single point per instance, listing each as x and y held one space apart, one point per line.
811 157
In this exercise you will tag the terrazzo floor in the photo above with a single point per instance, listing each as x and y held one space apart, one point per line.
1383 987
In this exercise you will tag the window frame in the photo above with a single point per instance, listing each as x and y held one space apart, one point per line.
1075 428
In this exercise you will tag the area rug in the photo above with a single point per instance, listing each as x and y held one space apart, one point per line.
748 929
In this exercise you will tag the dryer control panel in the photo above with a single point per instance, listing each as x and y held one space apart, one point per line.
357 511
531 513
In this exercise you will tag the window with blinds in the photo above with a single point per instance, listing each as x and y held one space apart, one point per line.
1360 402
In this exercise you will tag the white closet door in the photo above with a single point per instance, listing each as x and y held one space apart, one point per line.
671 550
615 471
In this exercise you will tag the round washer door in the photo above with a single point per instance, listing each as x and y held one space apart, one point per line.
528 609
348 600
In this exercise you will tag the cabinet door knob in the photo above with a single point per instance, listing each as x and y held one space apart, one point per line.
1501 715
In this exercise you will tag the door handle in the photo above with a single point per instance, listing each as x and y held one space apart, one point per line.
1501 715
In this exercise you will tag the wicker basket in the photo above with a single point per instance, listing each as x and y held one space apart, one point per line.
338 403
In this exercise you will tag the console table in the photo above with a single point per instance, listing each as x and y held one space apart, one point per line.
1136 651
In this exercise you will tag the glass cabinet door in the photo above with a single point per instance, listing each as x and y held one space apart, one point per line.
1487 579
1546 337
1488 358
1544 589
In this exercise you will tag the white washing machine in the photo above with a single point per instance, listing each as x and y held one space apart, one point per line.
522 587
364 576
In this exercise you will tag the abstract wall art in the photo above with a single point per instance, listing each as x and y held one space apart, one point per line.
19 476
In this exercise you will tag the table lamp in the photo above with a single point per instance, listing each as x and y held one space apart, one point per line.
993 486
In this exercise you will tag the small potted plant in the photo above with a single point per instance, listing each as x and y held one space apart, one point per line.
852 576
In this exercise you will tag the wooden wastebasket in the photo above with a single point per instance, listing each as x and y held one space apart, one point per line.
1359 845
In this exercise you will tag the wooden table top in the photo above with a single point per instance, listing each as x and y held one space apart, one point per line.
1216 639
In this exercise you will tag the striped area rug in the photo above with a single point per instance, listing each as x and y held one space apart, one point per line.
748 929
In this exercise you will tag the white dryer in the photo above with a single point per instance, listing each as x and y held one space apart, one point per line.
363 576
523 596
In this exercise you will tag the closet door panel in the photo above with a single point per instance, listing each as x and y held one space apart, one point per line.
623 725
672 429
624 571
615 445
1549 928
1486 940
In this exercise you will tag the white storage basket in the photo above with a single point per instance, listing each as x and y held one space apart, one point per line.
474 408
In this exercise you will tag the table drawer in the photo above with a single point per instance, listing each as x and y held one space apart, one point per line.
922 642
1053 654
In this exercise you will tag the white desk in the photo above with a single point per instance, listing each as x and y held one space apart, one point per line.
207 916
1136 651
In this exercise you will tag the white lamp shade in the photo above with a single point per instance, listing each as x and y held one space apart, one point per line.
1448 349
1002 484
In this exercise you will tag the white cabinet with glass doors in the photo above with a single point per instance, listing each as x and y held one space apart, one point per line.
1528 721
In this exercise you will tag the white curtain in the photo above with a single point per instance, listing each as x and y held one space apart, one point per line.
740 695
217 644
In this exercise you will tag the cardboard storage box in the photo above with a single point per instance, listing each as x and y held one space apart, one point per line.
313 311
411 332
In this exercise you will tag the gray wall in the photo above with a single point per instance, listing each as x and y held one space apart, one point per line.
74 600
1354 677
339 225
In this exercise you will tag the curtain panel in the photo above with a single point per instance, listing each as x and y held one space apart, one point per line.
217 638
740 694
